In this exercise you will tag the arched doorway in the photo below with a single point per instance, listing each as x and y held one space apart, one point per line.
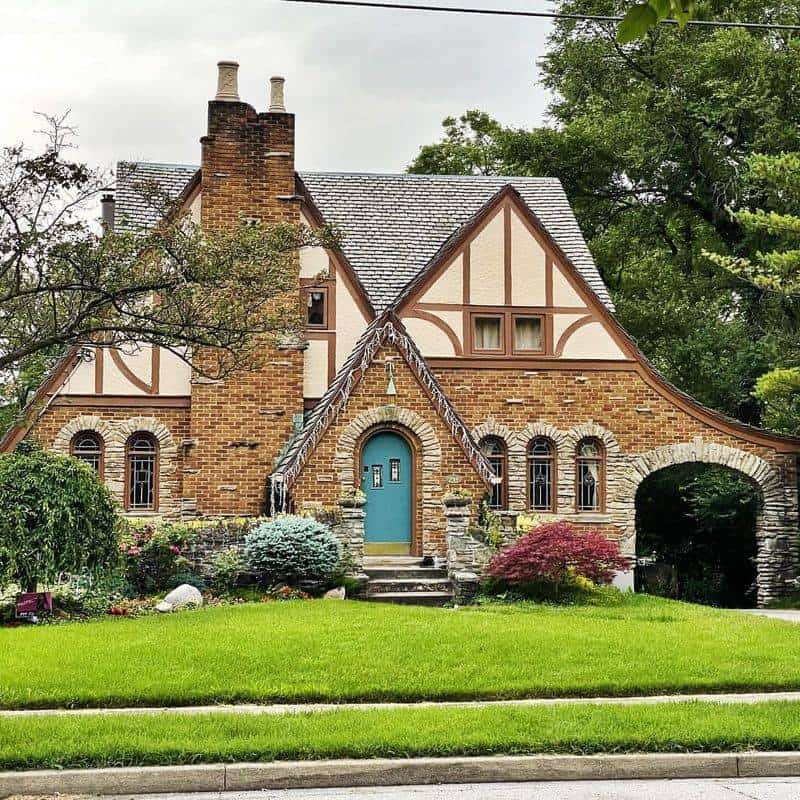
387 476
696 535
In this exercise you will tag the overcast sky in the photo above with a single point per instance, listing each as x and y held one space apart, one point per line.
368 86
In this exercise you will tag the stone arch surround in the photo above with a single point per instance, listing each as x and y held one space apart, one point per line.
115 434
430 456
776 524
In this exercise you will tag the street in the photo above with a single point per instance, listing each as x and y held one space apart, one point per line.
707 789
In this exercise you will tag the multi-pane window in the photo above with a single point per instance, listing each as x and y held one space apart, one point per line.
316 309
394 470
88 447
495 451
142 462
589 475
377 476
541 469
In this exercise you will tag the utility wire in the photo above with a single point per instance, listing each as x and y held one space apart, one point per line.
706 23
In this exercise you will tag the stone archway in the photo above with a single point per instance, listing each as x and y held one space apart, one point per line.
776 526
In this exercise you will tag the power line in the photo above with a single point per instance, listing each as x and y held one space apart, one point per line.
544 14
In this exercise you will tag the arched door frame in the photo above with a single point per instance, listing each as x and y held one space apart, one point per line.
414 447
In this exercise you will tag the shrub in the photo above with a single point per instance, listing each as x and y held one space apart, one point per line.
555 557
57 517
225 570
292 549
152 556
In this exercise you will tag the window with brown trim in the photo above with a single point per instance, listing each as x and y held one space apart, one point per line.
88 446
488 335
496 454
541 475
528 332
316 306
589 475
141 473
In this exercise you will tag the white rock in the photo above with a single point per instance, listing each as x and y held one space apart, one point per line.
181 597
334 594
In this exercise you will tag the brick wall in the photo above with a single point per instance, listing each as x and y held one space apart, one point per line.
239 425
320 479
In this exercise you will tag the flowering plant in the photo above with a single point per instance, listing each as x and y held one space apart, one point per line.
152 555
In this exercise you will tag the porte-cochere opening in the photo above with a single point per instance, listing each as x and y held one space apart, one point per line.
696 535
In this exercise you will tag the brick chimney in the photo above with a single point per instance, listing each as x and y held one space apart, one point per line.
239 426
247 157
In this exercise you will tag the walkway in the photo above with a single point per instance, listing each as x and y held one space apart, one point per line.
305 708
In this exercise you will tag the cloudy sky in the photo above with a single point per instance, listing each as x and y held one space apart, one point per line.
368 86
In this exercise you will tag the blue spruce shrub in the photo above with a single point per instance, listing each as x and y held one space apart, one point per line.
292 549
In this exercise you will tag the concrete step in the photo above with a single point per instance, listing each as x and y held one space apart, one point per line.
406 584
412 598
405 572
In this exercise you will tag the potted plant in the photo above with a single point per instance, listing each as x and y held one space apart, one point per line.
352 498
457 498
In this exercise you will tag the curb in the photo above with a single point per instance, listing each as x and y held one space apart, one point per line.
399 772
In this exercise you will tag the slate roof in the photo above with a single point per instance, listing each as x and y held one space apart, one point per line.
391 225
132 209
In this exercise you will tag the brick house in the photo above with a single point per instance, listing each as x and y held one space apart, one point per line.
460 337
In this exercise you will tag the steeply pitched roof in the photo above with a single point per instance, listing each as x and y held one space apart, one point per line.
391 225
384 328
132 209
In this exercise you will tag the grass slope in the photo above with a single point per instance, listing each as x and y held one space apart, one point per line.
115 740
337 651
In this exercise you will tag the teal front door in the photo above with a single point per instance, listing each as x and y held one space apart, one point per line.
386 465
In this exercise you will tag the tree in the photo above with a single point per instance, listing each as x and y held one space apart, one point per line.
650 140
63 284
57 517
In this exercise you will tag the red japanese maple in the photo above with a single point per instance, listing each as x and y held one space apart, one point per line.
557 553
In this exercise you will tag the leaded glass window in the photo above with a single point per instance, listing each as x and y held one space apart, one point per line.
541 463
589 475
495 451
142 458
88 447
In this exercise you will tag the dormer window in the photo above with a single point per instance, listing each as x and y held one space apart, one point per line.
317 307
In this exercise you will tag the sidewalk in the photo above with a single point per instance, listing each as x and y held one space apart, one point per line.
305 708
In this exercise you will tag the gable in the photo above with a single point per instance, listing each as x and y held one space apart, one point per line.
505 267
386 331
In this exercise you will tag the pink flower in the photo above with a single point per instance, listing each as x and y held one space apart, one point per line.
133 551
175 549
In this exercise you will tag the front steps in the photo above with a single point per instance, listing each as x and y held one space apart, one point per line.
403 579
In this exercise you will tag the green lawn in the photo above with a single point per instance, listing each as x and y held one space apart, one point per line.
47 742
338 651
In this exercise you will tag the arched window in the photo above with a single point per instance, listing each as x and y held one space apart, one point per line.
141 490
88 447
494 449
589 475
541 469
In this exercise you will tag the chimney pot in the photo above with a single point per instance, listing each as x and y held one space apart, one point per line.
227 81
107 207
276 102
